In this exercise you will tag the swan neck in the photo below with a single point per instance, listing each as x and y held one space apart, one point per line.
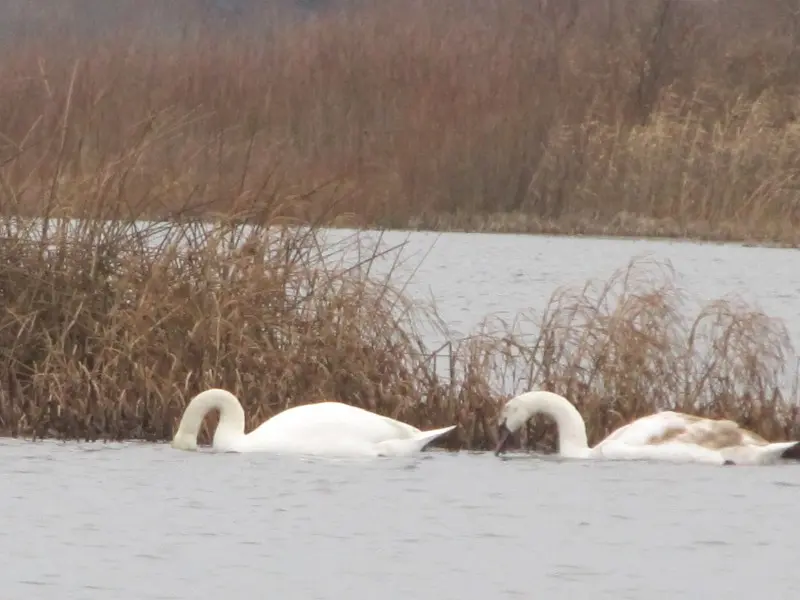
572 440
230 427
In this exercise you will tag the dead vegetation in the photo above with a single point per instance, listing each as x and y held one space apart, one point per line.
106 335
622 117
379 114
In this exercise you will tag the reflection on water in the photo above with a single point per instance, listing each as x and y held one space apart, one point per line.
147 522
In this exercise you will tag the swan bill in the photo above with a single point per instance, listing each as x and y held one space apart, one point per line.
504 435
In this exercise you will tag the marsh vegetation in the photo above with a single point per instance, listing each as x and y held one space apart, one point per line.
627 116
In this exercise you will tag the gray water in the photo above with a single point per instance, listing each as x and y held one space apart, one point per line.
473 275
142 522
146 522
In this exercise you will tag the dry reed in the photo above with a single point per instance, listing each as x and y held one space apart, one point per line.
619 117
434 112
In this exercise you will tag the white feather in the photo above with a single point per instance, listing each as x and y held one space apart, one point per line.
324 428
668 436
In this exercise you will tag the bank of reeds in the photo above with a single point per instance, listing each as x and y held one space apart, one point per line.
618 117
105 335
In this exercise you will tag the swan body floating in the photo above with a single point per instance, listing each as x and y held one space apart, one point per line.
324 429
666 436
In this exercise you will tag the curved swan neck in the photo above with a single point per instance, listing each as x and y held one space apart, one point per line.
231 419
572 440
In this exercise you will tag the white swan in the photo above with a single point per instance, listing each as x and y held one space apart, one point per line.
668 435
324 428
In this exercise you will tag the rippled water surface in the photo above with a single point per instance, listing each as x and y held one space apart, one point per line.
472 275
144 522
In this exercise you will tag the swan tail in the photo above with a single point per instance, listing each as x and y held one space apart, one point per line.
762 455
426 438
780 450
416 443
769 454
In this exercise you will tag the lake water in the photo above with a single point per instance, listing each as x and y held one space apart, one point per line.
471 276
146 522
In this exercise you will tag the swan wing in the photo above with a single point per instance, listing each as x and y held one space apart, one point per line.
672 428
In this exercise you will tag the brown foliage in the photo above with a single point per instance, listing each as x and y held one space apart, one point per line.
657 117
106 334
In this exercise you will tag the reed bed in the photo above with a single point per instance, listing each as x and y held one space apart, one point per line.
106 335
164 199
618 117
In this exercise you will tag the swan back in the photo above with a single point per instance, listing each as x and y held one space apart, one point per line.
324 419
334 428
680 437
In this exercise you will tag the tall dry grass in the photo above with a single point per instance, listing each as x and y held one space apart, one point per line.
651 117
372 114
106 335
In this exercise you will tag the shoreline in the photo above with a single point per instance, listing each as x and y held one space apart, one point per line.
598 232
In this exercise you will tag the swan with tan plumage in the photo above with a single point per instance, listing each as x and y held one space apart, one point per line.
663 436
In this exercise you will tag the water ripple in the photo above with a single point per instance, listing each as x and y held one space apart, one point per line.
142 523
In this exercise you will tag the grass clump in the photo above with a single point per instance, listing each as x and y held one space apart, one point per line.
107 337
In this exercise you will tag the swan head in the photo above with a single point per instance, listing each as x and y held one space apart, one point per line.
510 420
183 441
